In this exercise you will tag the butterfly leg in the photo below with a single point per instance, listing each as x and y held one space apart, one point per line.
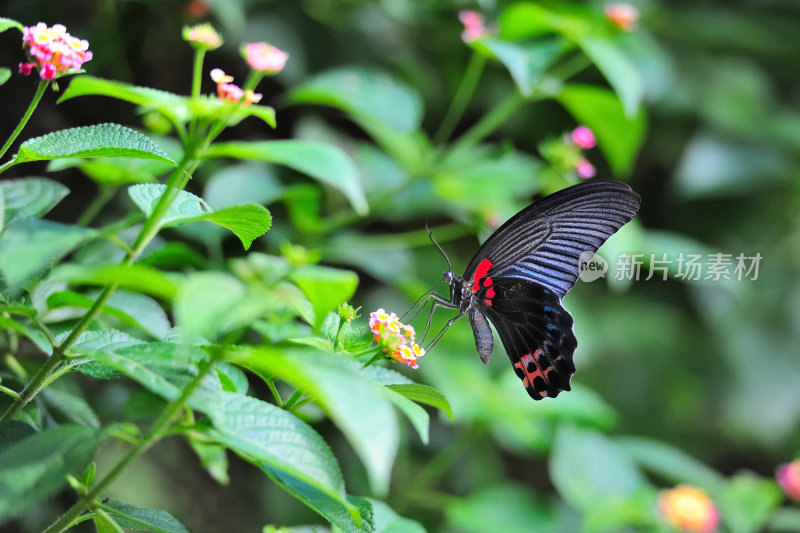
437 301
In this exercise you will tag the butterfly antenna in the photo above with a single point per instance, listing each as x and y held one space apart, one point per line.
436 244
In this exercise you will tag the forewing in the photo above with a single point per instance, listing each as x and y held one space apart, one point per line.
536 332
543 242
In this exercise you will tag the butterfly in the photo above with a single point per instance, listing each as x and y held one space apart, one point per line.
517 278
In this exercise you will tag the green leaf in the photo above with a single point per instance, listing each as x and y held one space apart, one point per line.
618 136
140 518
364 94
131 308
589 471
137 278
212 456
173 106
747 502
7 24
620 72
388 521
5 74
31 246
339 514
269 435
325 287
668 462
324 162
34 468
100 140
114 171
526 62
507 508
247 221
785 519
74 407
29 197
425 395
91 341
33 333
212 303
342 388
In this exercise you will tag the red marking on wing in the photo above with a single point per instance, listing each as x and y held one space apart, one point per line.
490 292
528 377
487 301
483 268
488 281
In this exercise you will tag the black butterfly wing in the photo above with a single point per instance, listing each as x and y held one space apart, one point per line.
536 332
543 242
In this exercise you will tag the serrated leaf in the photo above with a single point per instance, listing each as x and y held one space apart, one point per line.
341 387
114 171
140 518
100 140
34 468
30 197
388 521
326 163
173 106
75 408
7 24
31 246
280 440
247 221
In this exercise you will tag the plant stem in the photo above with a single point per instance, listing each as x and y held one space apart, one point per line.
42 375
10 392
156 431
461 99
104 195
197 72
36 98
177 180
493 120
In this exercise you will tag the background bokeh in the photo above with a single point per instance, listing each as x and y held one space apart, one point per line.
708 367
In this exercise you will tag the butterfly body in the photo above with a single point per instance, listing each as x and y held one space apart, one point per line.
518 277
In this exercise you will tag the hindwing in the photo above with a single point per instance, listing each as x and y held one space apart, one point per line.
536 332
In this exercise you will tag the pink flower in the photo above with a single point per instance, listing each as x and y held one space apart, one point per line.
688 508
788 476
473 25
622 15
395 338
264 57
202 36
52 51
231 92
583 137
585 169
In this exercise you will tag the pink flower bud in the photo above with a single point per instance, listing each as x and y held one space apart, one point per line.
585 169
622 15
788 477
583 137
264 57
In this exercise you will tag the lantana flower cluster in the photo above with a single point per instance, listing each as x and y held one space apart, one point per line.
622 15
688 508
788 477
395 338
583 138
52 51
474 27
264 58
231 92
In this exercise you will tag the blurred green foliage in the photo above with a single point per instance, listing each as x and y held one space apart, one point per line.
689 381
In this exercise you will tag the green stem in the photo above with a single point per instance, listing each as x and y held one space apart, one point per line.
41 378
36 98
10 392
564 71
157 430
104 195
489 123
197 72
177 180
289 404
462 98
